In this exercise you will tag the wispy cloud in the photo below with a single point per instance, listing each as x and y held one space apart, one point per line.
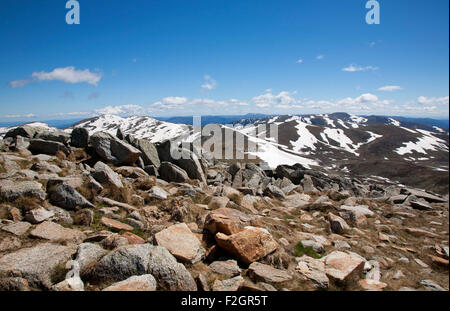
299 61
67 75
209 83
319 57
390 88
355 68
441 101
13 116
121 110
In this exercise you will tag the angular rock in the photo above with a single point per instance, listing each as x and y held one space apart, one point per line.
158 193
127 261
141 283
18 228
372 285
115 225
38 215
114 150
87 254
79 137
337 224
36 264
57 136
149 153
47 147
181 243
274 192
249 245
53 232
105 175
170 172
313 270
68 198
227 220
259 272
230 285
228 268
131 172
343 267
218 202
12 190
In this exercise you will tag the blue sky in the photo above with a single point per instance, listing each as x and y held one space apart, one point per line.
169 57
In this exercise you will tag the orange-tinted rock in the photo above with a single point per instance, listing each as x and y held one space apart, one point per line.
227 220
115 225
248 245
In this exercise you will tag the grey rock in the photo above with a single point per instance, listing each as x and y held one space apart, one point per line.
87 254
12 190
230 285
145 283
79 137
105 175
36 264
142 259
432 286
58 136
47 147
171 172
67 197
38 215
149 153
228 268
112 149
17 228
158 193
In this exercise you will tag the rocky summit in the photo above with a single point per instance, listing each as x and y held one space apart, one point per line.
87 210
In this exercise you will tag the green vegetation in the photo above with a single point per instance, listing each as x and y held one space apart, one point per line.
300 250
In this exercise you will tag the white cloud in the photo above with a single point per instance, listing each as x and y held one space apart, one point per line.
390 88
355 68
68 75
372 44
28 115
440 101
319 57
18 83
268 99
299 61
121 110
209 83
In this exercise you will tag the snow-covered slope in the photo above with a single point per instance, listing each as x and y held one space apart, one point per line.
140 127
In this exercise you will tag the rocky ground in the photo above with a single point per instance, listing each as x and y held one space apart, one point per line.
115 213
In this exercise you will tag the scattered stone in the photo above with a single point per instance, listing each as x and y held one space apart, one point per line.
230 285
38 215
228 268
268 274
218 202
181 243
337 224
249 245
158 193
36 264
18 228
53 232
115 225
9 243
141 283
432 286
372 285
68 198
343 267
227 220
105 175
12 190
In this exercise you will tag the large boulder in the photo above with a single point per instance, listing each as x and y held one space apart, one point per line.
12 190
181 242
127 261
79 137
67 197
148 149
38 146
114 150
249 245
24 131
170 172
58 136
36 264
227 221
105 175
